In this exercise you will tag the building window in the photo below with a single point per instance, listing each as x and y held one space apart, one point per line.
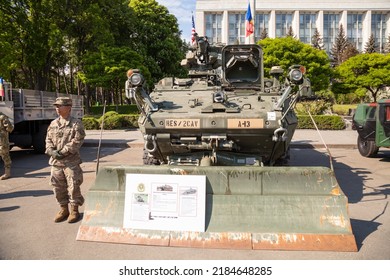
378 30
236 28
307 26
331 29
283 23
355 30
261 26
214 27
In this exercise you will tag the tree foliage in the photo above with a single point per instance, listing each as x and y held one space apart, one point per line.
370 46
387 46
67 46
290 32
264 34
316 40
339 46
289 51
157 37
364 72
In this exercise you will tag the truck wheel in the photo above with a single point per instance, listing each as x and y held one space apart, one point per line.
38 139
367 148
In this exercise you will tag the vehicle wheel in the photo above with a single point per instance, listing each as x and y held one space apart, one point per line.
149 160
39 139
367 148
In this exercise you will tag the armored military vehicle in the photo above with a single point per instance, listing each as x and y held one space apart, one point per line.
224 113
230 125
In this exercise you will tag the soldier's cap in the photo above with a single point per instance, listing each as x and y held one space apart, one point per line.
63 101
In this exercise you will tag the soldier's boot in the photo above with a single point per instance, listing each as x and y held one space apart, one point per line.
74 214
7 173
63 214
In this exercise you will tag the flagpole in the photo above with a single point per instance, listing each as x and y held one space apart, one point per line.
253 8
249 24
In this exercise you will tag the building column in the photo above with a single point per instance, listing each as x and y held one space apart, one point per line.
272 24
366 29
343 21
295 24
320 23
225 27
199 23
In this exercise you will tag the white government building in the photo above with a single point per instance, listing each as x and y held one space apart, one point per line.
224 20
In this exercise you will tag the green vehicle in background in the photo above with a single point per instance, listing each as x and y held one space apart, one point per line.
372 122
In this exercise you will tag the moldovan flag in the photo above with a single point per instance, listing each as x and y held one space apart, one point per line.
249 27
1 87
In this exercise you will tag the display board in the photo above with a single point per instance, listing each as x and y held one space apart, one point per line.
165 202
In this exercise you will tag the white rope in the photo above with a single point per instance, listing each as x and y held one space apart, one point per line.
322 139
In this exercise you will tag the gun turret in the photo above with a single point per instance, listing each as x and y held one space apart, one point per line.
203 55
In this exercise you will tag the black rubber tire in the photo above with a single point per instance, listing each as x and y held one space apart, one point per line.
367 148
39 139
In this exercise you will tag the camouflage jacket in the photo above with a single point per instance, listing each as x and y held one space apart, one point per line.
67 137
6 127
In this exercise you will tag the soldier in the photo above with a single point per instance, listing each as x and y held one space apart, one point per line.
65 136
6 127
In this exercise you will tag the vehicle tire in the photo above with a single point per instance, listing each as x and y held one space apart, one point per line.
367 148
39 139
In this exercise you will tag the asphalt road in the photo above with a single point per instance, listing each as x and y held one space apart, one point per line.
27 209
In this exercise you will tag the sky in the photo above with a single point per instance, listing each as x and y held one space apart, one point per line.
181 9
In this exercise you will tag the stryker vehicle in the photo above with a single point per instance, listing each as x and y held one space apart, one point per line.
228 124
225 113
372 122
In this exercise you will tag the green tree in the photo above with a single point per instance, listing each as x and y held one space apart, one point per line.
316 40
156 36
36 42
339 47
349 51
368 72
289 51
290 32
106 68
370 46
50 37
264 34
387 46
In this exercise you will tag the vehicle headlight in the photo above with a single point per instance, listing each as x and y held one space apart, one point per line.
295 75
136 79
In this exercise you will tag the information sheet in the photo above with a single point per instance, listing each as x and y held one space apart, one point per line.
165 202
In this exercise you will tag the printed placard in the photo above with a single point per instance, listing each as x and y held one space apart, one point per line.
165 202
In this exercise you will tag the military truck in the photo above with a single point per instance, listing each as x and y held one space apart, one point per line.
372 122
31 111
229 125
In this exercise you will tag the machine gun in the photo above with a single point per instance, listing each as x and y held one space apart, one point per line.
204 60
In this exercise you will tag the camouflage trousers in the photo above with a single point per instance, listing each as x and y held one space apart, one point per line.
66 182
4 154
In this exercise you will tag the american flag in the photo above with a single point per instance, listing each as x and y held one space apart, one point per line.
193 31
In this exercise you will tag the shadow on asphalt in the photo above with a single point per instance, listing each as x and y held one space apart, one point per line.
33 193
351 181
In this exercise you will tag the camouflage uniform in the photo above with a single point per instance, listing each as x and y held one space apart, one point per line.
5 128
63 142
